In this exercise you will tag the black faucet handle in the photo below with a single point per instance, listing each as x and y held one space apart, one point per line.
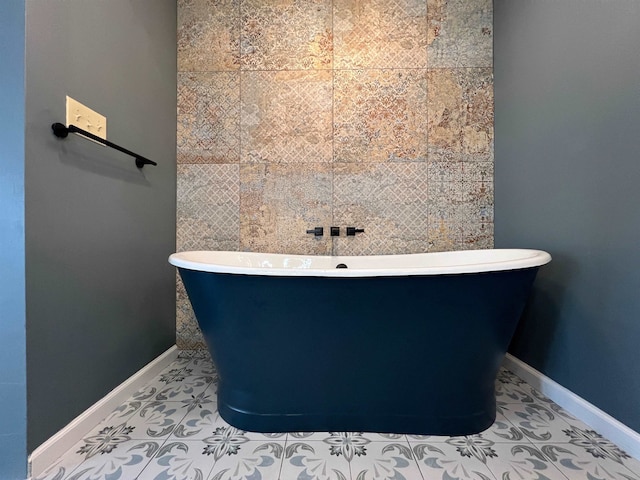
351 231
317 232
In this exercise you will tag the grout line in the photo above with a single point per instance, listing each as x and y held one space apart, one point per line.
284 452
164 402
413 455
240 136
333 132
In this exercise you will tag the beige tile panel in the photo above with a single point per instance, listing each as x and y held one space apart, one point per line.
460 114
208 207
208 35
445 236
461 202
286 35
279 203
286 117
208 117
207 219
460 33
459 173
380 34
389 200
460 205
188 334
380 115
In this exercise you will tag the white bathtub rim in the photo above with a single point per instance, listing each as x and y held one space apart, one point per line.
457 262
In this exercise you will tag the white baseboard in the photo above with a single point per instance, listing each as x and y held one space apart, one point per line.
601 422
46 454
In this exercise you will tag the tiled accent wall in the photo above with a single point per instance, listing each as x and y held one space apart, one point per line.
301 113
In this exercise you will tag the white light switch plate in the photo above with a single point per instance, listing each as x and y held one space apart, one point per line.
85 118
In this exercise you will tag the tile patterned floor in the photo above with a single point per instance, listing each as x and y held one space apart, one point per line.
170 430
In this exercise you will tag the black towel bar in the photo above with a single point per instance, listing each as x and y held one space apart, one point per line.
59 130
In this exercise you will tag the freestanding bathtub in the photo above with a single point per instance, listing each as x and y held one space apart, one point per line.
398 343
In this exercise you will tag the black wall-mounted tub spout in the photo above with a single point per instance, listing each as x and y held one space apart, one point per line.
351 231
317 232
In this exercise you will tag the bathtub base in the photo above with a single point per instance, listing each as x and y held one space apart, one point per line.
377 423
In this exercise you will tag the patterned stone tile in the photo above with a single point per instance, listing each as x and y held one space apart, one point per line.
103 451
589 456
208 117
279 203
237 457
292 114
123 413
286 117
223 455
115 458
460 33
557 409
182 390
188 333
385 461
203 446
512 389
380 115
175 369
477 236
154 419
537 423
201 423
460 205
179 460
521 461
500 432
201 353
120 416
208 211
317 460
460 458
389 200
61 468
208 35
447 236
444 171
201 366
460 114
291 35
462 201
380 34
208 207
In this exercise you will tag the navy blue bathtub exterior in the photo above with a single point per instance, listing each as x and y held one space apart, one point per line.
416 354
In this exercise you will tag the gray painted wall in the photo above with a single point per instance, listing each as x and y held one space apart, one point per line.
100 293
13 386
567 118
